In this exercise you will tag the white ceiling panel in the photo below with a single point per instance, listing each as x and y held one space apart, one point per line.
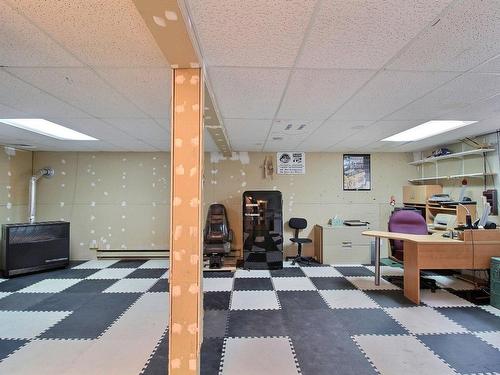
99 33
82 88
480 110
364 34
254 129
490 66
19 95
389 91
142 128
8 112
164 122
148 88
22 44
251 33
330 133
248 93
316 94
467 35
245 145
453 96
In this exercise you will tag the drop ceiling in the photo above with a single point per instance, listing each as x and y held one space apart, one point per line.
352 72
310 75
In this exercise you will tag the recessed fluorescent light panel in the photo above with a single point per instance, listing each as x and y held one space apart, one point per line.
47 128
427 129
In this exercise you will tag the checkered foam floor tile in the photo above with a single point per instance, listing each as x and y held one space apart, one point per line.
299 320
334 320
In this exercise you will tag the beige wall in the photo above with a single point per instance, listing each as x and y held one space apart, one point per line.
15 171
120 200
317 195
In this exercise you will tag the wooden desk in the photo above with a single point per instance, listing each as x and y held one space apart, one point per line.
473 251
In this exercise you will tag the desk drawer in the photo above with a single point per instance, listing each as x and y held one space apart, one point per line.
343 237
346 253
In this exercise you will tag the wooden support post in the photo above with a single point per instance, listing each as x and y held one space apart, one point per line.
185 328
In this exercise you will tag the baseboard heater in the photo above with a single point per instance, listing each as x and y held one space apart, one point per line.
34 247
133 254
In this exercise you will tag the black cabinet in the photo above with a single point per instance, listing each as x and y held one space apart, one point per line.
262 230
34 247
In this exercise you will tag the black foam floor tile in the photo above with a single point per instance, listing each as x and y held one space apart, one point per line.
69 273
128 263
158 364
93 318
22 301
216 274
256 323
322 354
90 286
253 284
472 318
288 272
7 347
216 300
15 284
215 323
146 273
354 271
301 300
389 298
464 352
160 286
211 355
64 302
331 283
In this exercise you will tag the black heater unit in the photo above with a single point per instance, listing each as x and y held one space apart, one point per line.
262 230
34 247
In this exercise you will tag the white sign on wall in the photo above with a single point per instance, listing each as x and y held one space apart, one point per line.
291 162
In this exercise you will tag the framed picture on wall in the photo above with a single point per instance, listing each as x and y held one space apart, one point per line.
357 172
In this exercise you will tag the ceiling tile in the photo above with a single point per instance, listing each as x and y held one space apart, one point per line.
99 33
316 94
8 112
490 66
465 36
250 33
148 88
80 87
250 129
22 44
19 95
457 94
244 145
246 92
389 91
330 133
143 128
364 34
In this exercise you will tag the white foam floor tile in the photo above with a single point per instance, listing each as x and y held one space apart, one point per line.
287 264
254 300
256 356
2 280
50 286
491 310
424 320
388 270
96 264
217 284
134 285
251 274
165 275
28 324
492 338
293 283
156 263
321 272
442 298
347 299
396 355
111 273
45 357
368 283
451 282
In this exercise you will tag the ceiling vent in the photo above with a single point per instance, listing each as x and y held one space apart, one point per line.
277 138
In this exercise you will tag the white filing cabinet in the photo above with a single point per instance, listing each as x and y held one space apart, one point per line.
342 244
